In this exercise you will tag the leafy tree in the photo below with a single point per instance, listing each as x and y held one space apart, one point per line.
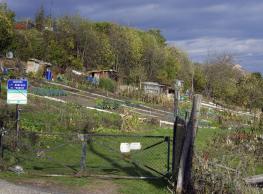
7 12
221 78
29 44
250 91
159 37
186 68
169 71
153 56
199 79
40 18
6 27
57 54
6 32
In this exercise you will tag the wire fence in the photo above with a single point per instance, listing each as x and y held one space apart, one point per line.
90 154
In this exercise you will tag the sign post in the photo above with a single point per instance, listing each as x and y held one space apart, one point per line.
17 91
177 86
17 94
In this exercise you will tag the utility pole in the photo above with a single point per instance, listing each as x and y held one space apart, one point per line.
176 102
192 85
177 87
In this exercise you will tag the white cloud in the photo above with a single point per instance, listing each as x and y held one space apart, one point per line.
248 52
201 46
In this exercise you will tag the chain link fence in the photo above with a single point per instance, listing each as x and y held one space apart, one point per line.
89 154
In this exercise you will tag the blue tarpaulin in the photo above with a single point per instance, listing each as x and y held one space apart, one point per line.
92 80
48 75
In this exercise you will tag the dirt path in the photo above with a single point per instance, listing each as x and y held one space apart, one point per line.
38 186
10 188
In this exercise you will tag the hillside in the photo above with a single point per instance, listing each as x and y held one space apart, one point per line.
73 42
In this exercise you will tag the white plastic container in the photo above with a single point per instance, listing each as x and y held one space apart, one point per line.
125 148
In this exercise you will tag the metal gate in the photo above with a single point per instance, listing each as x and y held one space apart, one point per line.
92 154
145 156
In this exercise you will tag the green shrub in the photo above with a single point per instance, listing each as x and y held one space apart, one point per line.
107 84
48 91
107 104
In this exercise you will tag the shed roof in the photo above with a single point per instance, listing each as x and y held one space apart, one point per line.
153 84
99 71
40 62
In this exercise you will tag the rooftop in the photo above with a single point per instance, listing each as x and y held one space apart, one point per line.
152 83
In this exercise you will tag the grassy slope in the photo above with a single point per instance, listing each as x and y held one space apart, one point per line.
43 114
49 116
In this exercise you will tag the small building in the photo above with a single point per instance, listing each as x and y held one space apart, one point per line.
98 74
153 88
35 65
24 25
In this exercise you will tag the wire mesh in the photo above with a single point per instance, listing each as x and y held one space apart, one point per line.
43 153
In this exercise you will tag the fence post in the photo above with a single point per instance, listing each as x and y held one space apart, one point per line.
174 151
17 123
168 158
1 145
176 99
0 86
1 139
83 153
184 180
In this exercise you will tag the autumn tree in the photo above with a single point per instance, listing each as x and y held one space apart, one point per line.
220 77
40 18
250 91
6 27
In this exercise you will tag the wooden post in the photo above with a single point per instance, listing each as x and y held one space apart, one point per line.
178 141
83 153
174 151
176 100
184 175
17 122
0 86
1 139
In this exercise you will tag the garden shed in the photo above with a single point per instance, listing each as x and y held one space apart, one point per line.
153 88
98 74
35 65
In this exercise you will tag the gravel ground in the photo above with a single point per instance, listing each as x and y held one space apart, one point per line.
36 187
10 188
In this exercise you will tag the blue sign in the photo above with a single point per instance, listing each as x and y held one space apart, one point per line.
14 84
17 91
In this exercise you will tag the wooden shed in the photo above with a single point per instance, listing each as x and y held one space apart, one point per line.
35 65
98 74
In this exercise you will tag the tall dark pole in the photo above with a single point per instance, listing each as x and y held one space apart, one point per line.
17 122
83 159
174 151
184 179
1 139
176 99
192 89
0 86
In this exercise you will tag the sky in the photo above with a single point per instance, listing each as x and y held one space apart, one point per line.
202 28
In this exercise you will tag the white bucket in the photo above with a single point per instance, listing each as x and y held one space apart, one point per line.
125 148
135 146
